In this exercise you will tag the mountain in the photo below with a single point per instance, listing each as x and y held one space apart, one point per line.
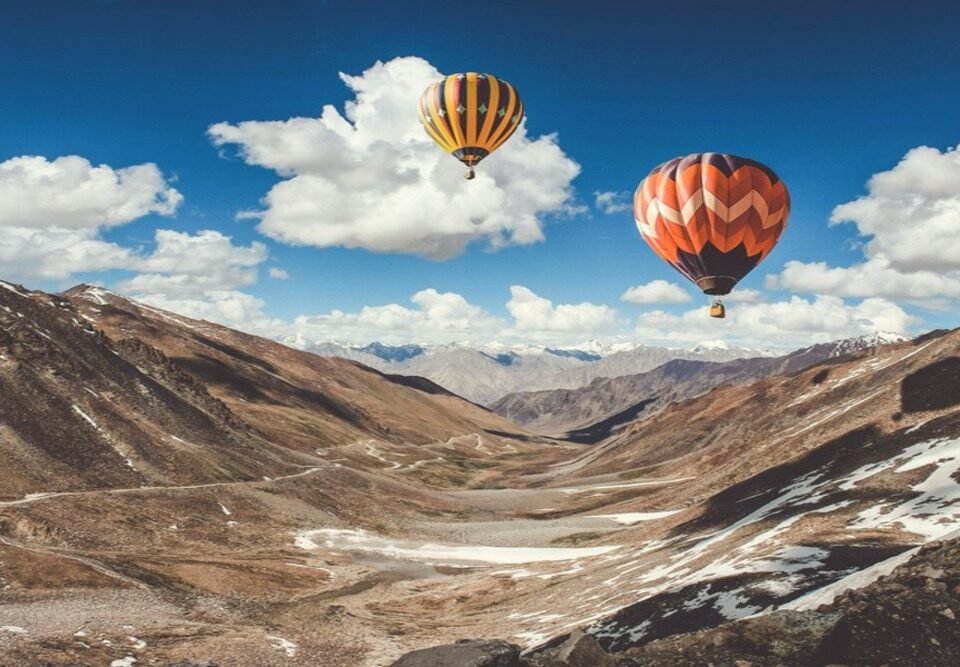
486 373
593 412
173 492
783 487
762 502
154 469
81 412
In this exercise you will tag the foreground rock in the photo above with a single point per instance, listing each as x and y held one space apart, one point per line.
465 653
781 639
579 650
908 618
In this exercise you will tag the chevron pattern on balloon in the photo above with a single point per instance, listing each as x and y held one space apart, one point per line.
712 214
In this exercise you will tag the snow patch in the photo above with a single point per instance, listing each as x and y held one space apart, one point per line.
859 579
364 542
936 509
285 645
626 485
87 417
630 518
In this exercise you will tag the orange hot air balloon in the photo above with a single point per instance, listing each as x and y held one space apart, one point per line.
713 217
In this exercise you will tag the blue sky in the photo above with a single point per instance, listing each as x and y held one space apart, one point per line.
826 93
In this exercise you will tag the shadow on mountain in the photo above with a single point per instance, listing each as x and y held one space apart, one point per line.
711 603
211 371
522 437
835 458
419 383
601 430
233 352
933 387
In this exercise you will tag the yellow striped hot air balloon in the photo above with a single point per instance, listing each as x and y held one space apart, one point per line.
470 115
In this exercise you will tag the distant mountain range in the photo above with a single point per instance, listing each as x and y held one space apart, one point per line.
486 373
594 411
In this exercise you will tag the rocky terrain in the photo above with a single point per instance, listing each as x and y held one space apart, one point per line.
176 493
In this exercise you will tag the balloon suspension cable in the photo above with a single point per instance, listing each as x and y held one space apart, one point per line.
471 174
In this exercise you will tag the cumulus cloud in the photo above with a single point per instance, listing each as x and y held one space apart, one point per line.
371 178
71 193
52 213
56 253
437 317
778 325
231 308
278 274
612 202
185 264
532 312
443 317
198 275
875 277
911 218
656 291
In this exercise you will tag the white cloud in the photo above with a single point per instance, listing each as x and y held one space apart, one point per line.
72 193
534 313
52 214
778 325
56 253
371 178
912 211
450 311
875 277
277 273
613 202
911 217
184 264
197 275
443 317
656 291
231 308
438 317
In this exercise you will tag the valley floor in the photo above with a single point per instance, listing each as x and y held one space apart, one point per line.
265 591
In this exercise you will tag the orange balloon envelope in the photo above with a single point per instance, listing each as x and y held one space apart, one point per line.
712 216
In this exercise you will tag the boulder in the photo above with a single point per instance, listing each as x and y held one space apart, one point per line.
465 653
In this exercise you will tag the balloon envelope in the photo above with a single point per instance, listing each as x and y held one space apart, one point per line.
470 115
712 216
